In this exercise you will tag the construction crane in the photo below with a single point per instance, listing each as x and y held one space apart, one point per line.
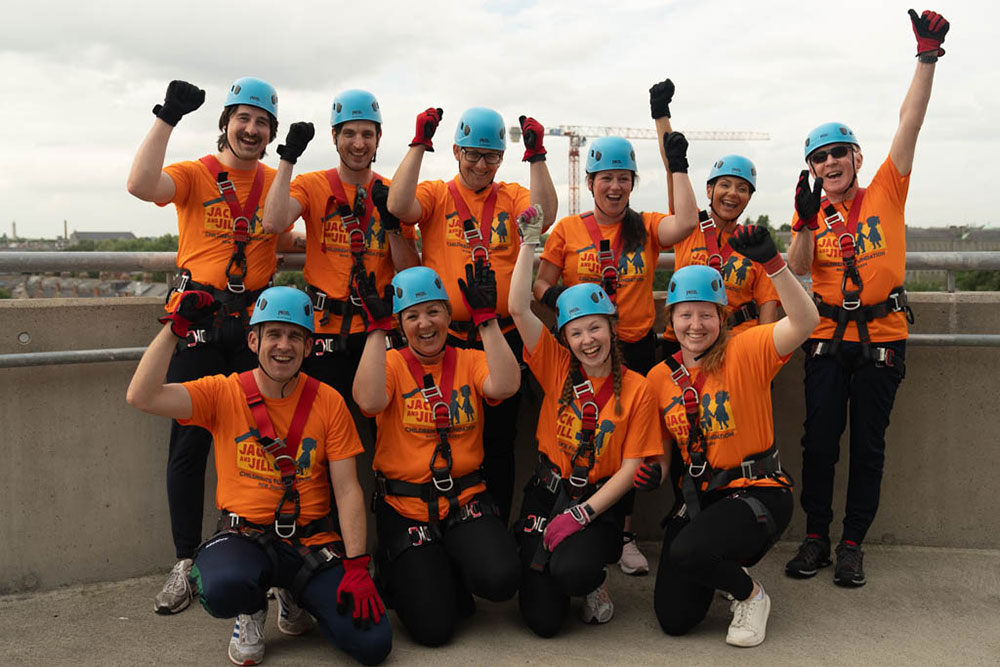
578 134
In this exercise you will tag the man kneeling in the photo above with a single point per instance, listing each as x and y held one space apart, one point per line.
274 431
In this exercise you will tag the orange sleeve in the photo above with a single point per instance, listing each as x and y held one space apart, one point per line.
427 195
180 174
895 184
643 438
204 394
555 246
549 362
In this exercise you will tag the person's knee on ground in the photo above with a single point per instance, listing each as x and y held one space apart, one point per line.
231 576
543 606
424 594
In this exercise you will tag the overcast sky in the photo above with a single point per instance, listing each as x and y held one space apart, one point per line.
79 80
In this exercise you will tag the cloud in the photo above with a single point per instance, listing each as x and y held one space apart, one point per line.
80 83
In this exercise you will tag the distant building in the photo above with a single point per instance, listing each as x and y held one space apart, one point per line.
96 237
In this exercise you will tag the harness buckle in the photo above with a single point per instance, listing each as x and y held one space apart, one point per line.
552 483
679 374
899 300
320 303
443 484
289 527
884 356
852 301
577 481
235 522
238 288
196 337
715 261
356 301
583 388
241 229
180 284
420 535
323 345
706 224
833 219
747 469
430 393
700 468
534 523
470 510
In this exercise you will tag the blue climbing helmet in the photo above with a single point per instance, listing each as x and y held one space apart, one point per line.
829 133
696 282
416 285
480 127
355 105
581 300
734 165
607 153
284 304
254 92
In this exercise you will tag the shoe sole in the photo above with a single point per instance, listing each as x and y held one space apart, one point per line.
806 574
293 632
245 663
634 571
850 583
167 611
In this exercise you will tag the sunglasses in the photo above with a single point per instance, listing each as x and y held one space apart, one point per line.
819 157
472 157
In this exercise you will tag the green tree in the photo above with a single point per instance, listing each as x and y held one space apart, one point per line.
290 278
764 220
978 281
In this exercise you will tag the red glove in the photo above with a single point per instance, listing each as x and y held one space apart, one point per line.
377 310
193 306
755 243
648 476
357 591
427 123
571 521
807 202
532 131
929 29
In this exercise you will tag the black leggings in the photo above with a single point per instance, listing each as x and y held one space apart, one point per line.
708 553
428 585
187 456
574 569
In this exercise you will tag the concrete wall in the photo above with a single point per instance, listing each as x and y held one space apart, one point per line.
82 492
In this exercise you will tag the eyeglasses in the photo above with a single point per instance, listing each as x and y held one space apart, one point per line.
819 157
472 157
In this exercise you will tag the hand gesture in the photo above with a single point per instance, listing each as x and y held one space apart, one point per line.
929 29
299 136
533 132
357 593
182 98
376 309
380 197
660 96
755 243
427 122
529 223
807 201
192 307
648 476
479 291
675 146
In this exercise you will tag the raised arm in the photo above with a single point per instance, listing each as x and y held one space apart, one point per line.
280 209
147 391
930 29
402 200
479 291
678 226
519 300
660 96
402 250
146 179
807 202
801 316
369 379
543 192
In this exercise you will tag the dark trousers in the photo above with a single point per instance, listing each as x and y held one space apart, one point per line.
574 569
640 356
429 585
187 456
233 573
708 553
834 385
499 433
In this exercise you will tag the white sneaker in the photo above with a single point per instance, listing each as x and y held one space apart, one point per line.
632 561
749 623
597 606
293 620
246 647
176 594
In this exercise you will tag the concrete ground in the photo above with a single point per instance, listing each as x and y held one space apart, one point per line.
921 607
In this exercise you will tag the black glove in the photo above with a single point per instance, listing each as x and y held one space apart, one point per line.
807 201
376 309
479 291
755 243
181 98
380 197
660 96
675 146
552 295
299 136
194 306
648 476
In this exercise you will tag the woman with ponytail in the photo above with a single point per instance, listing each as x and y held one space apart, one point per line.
596 425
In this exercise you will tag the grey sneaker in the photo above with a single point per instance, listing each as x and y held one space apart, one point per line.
246 647
814 553
597 606
293 620
849 570
749 624
176 594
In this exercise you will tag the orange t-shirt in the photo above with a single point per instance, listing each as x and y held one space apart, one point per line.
407 437
205 225
570 248
630 435
445 250
745 281
328 249
880 244
249 483
735 411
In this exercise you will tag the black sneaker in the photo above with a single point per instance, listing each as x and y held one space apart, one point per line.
849 571
813 554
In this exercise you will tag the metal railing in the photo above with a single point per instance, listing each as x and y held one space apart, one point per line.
34 262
